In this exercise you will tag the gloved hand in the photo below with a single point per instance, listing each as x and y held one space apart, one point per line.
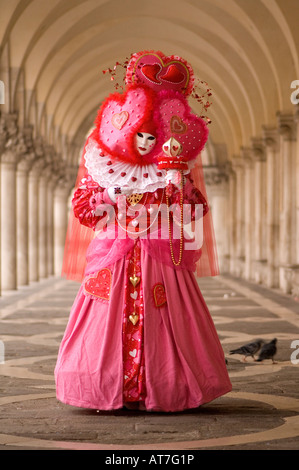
174 177
114 192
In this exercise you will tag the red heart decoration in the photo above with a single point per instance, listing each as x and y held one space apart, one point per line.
159 295
160 72
177 121
119 119
99 286
173 75
151 71
177 125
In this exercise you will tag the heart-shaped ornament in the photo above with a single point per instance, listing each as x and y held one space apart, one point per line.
134 295
172 147
158 71
133 353
99 285
177 125
133 319
159 295
118 119
134 280
180 123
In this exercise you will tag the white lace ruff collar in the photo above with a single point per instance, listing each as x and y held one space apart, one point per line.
108 173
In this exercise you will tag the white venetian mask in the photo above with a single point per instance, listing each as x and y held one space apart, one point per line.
144 142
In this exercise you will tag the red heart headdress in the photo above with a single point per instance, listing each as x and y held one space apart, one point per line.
120 117
160 72
154 81
184 133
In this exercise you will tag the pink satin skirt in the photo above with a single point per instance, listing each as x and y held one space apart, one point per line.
179 358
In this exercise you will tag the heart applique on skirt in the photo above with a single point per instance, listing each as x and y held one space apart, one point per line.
99 285
159 295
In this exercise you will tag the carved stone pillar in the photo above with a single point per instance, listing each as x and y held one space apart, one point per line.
22 222
248 213
33 217
286 238
8 205
217 187
61 194
23 167
259 210
270 135
43 222
8 221
238 166
296 172
232 218
50 225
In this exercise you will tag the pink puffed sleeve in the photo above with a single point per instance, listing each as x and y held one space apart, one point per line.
88 196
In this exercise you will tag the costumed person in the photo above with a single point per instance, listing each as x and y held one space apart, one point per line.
139 332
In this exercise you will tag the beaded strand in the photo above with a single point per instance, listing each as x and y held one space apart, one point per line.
177 263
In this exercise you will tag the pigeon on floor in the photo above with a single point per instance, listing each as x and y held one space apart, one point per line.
249 349
268 351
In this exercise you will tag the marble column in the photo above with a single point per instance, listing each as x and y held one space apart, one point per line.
61 193
43 222
217 187
248 213
8 221
286 248
33 218
259 207
238 166
232 218
22 221
296 172
295 270
24 164
271 142
50 225
11 147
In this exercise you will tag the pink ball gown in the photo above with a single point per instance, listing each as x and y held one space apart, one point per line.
139 329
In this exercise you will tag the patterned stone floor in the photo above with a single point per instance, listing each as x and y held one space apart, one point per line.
261 412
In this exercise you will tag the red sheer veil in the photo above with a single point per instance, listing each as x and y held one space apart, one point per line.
207 265
78 237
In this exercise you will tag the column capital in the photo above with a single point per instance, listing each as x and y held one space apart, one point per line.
229 169
9 138
271 137
62 187
296 115
246 154
237 162
37 166
286 125
25 151
25 163
215 175
258 149
39 147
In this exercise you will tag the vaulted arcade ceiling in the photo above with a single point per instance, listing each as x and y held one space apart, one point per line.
53 53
